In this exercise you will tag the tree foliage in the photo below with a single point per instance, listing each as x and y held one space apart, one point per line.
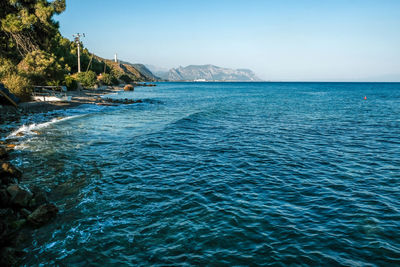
42 67
125 78
87 79
7 67
67 52
109 79
32 50
70 82
29 24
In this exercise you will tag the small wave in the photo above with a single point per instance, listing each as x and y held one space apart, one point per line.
32 128
198 116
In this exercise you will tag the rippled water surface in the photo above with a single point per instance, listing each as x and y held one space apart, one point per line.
223 173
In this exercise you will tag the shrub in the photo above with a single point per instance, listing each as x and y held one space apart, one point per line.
6 67
106 79
71 83
125 78
115 81
109 79
87 79
19 86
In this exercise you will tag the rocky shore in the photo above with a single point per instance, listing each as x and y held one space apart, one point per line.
10 116
21 208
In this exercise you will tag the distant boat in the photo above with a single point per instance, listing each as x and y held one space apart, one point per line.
51 94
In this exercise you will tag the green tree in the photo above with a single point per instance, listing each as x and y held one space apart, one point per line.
7 67
109 79
87 79
32 50
27 25
42 67
70 82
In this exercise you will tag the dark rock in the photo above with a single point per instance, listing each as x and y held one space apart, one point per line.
10 169
10 256
3 233
3 153
6 179
19 196
8 217
4 213
16 225
23 236
4 198
39 197
43 214
25 213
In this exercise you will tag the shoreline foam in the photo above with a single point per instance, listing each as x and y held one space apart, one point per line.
10 118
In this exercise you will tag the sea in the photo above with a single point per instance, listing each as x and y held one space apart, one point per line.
220 174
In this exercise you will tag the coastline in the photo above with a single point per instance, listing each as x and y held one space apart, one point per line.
10 114
10 117
25 208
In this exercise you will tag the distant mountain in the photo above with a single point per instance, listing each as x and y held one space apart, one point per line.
158 71
209 73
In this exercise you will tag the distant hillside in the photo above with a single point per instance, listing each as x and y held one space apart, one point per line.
143 70
209 73
158 71
137 72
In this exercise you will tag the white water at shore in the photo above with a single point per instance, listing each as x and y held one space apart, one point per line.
39 121
31 129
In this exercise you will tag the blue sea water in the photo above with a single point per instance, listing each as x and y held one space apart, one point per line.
223 174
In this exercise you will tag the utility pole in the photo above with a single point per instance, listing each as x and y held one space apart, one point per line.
77 38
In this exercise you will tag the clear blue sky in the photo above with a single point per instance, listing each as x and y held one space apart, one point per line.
279 40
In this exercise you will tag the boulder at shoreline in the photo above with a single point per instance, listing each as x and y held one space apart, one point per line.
10 170
129 87
19 196
18 205
43 214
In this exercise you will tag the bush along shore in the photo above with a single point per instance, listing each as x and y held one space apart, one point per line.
21 209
